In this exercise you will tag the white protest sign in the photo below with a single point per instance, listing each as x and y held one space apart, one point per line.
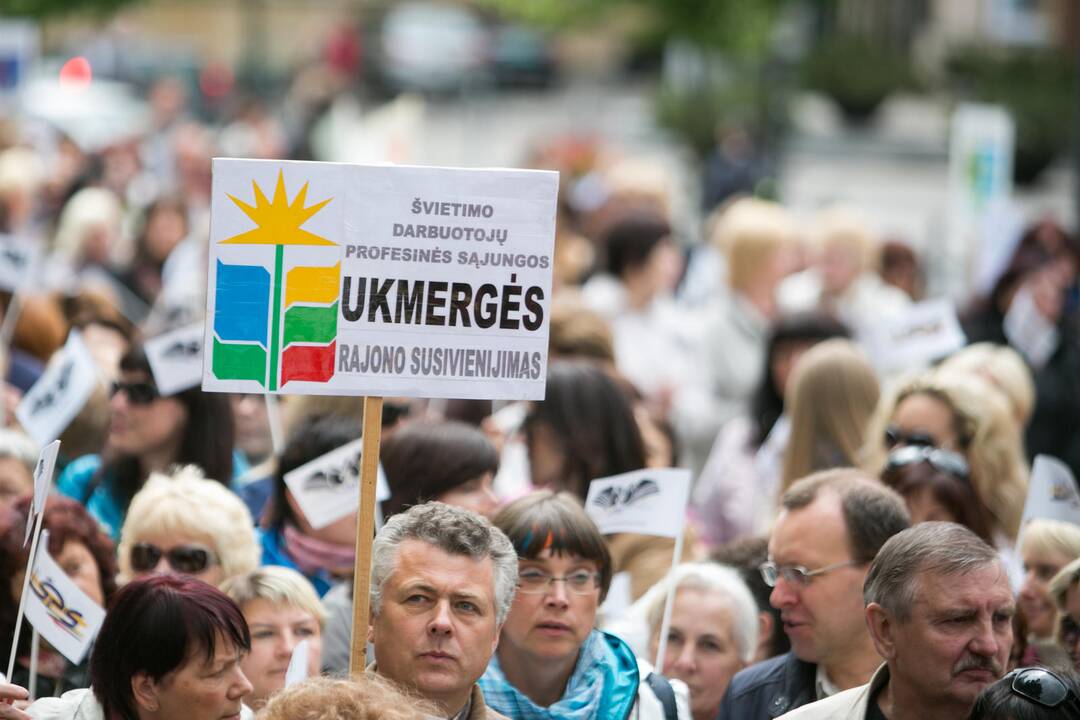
60 393
328 487
649 502
18 262
64 615
176 358
925 332
620 596
336 279
1052 493
298 664
43 473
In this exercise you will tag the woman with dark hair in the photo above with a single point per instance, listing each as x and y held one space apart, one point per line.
83 552
735 495
551 661
936 486
169 649
149 432
451 462
324 555
583 429
1034 308
1030 693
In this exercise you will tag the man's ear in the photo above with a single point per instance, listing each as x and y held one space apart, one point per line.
145 692
882 627
498 634
765 633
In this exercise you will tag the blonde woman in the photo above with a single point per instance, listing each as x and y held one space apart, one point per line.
282 610
183 523
366 697
1003 368
830 398
964 414
1047 546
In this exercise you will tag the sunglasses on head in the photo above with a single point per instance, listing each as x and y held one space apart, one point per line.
1043 687
894 437
138 393
187 559
944 460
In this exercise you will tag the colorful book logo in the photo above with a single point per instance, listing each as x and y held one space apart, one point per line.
257 336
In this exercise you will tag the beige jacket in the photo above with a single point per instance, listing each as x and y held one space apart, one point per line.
478 709
847 705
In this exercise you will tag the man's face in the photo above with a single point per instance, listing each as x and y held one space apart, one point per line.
436 628
824 618
958 638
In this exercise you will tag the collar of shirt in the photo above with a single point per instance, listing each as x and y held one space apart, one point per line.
464 711
823 686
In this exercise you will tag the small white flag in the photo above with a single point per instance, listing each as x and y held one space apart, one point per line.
60 393
298 664
649 502
60 611
18 262
43 473
328 487
176 359
1052 493
925 332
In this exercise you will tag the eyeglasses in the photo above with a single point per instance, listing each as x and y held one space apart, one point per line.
1042 686
946 461
534 582
797 574
187 559
895 436
138 393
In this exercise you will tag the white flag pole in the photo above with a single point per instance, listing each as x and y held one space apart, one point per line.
665 623
25 591
273 418
35 648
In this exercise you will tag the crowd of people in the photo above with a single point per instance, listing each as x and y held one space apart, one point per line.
853 545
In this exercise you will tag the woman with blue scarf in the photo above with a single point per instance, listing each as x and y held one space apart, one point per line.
552 663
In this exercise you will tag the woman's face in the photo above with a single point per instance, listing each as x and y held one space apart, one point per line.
551 624
547 461
200 689
79 564
15 481
924 419
276 630
143 422
252 426
184 553
477 495
1034 599
701 649
1071 618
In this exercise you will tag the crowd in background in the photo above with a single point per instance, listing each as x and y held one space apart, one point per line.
739 358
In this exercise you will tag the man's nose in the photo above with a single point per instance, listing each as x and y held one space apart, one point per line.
783 594
441 621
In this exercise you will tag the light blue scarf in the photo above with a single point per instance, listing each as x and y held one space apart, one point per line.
604 684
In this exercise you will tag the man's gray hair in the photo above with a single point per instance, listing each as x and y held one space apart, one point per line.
940 548
453 530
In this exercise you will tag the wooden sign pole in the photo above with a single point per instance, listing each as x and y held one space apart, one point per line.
365 532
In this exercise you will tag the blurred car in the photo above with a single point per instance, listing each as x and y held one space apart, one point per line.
431 47
521 56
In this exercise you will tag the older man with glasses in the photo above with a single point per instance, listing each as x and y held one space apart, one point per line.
1065 590
831 526
939 609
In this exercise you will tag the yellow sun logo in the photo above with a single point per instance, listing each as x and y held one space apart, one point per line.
278 222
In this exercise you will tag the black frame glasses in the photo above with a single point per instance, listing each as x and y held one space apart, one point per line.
946 461
1043 687
187 559
138 393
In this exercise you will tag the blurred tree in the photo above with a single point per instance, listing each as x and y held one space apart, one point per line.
46 8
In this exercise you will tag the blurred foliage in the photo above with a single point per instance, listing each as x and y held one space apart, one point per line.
741 29
1036 85
857 72
48 8
695 114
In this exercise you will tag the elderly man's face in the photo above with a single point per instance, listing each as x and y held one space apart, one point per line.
436 629
958 638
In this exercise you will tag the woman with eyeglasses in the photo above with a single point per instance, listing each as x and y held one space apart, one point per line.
1065 589
87 557
148 433
1030 693
967 416
186 524
552 662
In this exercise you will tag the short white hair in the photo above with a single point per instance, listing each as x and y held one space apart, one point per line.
719 581
184 501
18 446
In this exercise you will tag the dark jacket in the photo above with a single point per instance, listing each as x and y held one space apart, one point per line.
769 689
